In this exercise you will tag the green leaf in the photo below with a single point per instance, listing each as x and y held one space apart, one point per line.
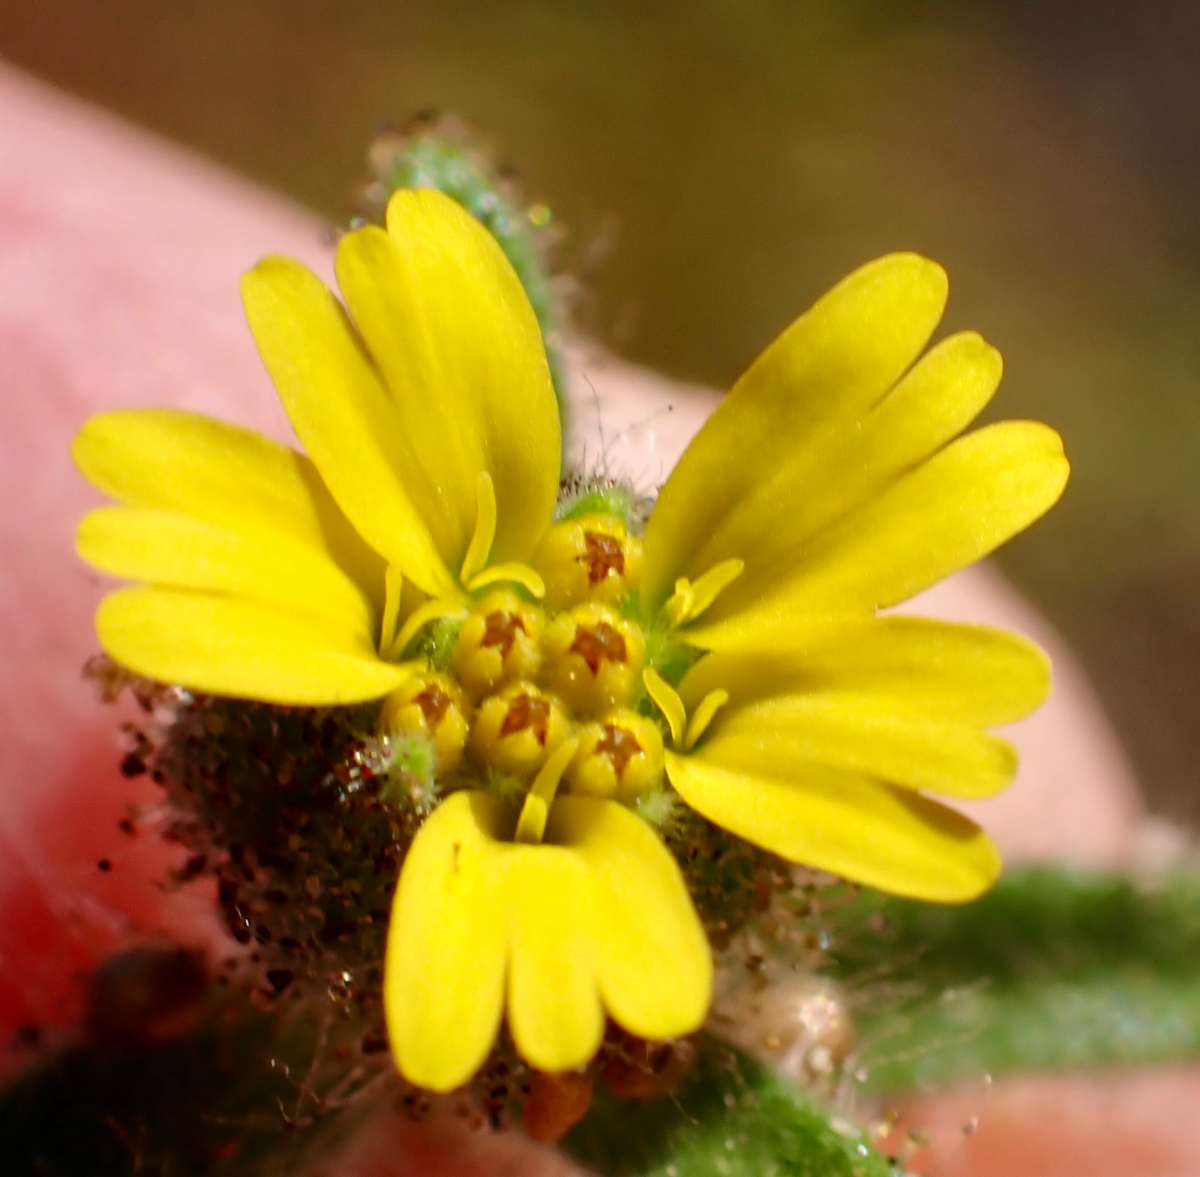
732 1118
1054 969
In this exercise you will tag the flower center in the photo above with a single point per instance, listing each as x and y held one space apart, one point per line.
431 706
620 757
539 696
592 558
593 656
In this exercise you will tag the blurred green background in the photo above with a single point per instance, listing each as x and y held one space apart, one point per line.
730 159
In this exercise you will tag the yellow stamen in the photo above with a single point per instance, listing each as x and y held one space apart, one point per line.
690 600
531 825
485 529
714 582
669 703
520 574
421 617
703 716
679 607
393 582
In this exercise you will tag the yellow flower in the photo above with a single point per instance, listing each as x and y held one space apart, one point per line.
593 658
500 642
742 625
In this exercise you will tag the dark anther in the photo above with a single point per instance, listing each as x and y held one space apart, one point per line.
598 643
501 631
619 745
434 702
605 554
373 1044
527 711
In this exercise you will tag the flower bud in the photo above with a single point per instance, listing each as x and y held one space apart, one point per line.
592 558
514 731
593 658
498 643
620 757
435 706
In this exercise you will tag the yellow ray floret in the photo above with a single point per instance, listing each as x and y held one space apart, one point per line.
817 751
837 360
595 919
832 474
433 455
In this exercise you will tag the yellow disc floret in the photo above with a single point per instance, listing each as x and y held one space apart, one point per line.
593 558
621 757
593 658
435 706
514 731
498 643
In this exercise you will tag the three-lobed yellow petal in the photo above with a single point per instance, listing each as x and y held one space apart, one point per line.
456 343
594 919
901 699
438 381
946 671
835 361
832 472
948 512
